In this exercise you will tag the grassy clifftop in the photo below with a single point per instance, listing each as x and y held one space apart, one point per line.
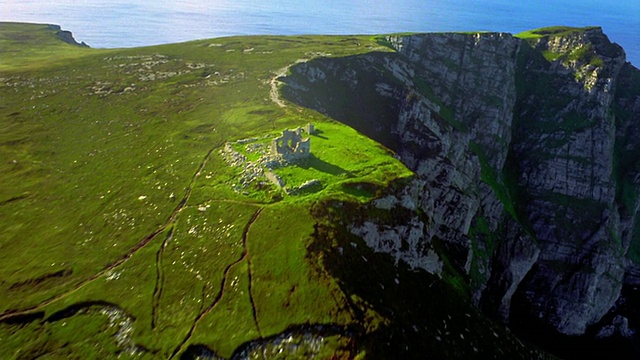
31 46
123 231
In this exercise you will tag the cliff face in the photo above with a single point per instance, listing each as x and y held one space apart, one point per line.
526 159
563 157
66 36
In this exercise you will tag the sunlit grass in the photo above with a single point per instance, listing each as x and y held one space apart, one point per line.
114 190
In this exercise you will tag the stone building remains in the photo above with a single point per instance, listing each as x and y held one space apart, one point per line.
291 145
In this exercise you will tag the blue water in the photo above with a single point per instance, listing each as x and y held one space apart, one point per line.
129 23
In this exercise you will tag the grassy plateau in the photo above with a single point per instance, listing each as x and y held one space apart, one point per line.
117 203
126 232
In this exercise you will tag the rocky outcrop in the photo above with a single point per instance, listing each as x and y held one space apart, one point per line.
66 36
525 155
406 237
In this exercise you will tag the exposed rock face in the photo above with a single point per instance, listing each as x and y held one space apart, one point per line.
563 154
66 36
408 239
526 155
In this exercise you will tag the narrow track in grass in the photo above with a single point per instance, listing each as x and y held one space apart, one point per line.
10 314
223 282
157 290
253 305
274 94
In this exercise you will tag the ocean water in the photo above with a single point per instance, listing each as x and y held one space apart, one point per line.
131 23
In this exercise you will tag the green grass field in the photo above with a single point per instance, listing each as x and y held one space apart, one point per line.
116 196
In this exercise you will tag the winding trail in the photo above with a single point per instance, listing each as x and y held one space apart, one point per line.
274 94
7 315
218 297
168 227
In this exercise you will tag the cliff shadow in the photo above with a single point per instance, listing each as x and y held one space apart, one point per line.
403 312
348 90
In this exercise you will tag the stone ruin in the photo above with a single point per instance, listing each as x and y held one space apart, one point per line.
291 145
288 147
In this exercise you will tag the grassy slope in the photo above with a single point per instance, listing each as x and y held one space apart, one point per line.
585 54
109 158
47 47
552 31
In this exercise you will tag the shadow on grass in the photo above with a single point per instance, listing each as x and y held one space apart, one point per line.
316 163
317 133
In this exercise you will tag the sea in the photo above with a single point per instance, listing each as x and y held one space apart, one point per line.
133 23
